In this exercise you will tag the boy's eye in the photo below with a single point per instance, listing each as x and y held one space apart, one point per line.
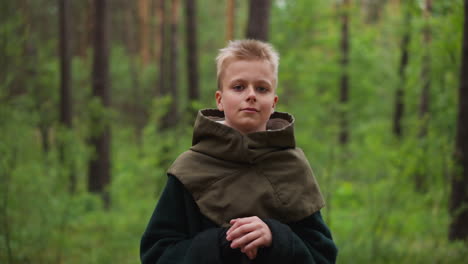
238 87
262 89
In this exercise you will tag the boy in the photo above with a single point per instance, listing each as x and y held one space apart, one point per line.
243 193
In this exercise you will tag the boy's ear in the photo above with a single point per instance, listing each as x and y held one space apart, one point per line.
275 100
219 104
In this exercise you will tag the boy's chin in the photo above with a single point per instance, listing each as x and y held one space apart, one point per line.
247 128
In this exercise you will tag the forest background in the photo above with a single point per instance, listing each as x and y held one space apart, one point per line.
97 98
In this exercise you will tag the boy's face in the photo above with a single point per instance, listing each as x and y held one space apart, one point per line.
247 95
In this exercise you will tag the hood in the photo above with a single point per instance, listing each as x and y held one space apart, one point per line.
215 139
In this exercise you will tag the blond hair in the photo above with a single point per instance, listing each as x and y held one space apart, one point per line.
248 49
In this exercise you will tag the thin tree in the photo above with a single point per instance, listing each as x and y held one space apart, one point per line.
136 14
156 19
192 49
259 19
458 229
420 181
174 56
143 16
65 79
172 117
373 9
162 22
344 79
404 59
230 10
86 25
426 68
99 166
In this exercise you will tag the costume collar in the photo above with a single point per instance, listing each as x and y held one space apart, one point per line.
215 139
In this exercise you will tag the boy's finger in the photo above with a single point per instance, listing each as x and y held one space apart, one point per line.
237 224
233 226
243 240
241 230
243 220
253 245
251 254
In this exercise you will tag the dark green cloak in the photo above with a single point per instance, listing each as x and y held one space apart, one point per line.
232 175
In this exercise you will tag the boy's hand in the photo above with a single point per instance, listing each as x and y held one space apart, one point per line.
249 234
251 253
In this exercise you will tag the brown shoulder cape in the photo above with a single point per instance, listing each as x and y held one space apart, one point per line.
232 175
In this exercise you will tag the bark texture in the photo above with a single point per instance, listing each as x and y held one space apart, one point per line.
400 92
424 103
192 49
230 7
99 166
344 79
459 196
65 82
259 19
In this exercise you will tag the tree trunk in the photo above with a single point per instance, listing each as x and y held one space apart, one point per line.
156 31
399 97
373 10
172 117
134 109
230 9
420 181
86 29
459 196
426 69
99 166
143 15
192 50
130 37
161 87
65 84
344 80
259 19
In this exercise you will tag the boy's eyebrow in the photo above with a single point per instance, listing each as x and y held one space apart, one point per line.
262 81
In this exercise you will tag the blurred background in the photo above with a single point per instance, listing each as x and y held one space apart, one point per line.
98 97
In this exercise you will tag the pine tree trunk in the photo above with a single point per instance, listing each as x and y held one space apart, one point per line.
459 196
400 93
192 49
420 177
373 9
426 69
99 165
143 15
344 80
172 117
65 82
162 89
156 31
133 108
230 8
86 29
128 27
259 19
174 57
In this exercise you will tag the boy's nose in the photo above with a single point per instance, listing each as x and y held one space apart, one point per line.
251 94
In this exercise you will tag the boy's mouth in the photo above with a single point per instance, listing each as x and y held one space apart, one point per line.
249 109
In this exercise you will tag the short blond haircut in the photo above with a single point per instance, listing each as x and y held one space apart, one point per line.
247 49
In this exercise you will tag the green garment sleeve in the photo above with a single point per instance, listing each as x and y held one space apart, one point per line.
173 235
306 241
